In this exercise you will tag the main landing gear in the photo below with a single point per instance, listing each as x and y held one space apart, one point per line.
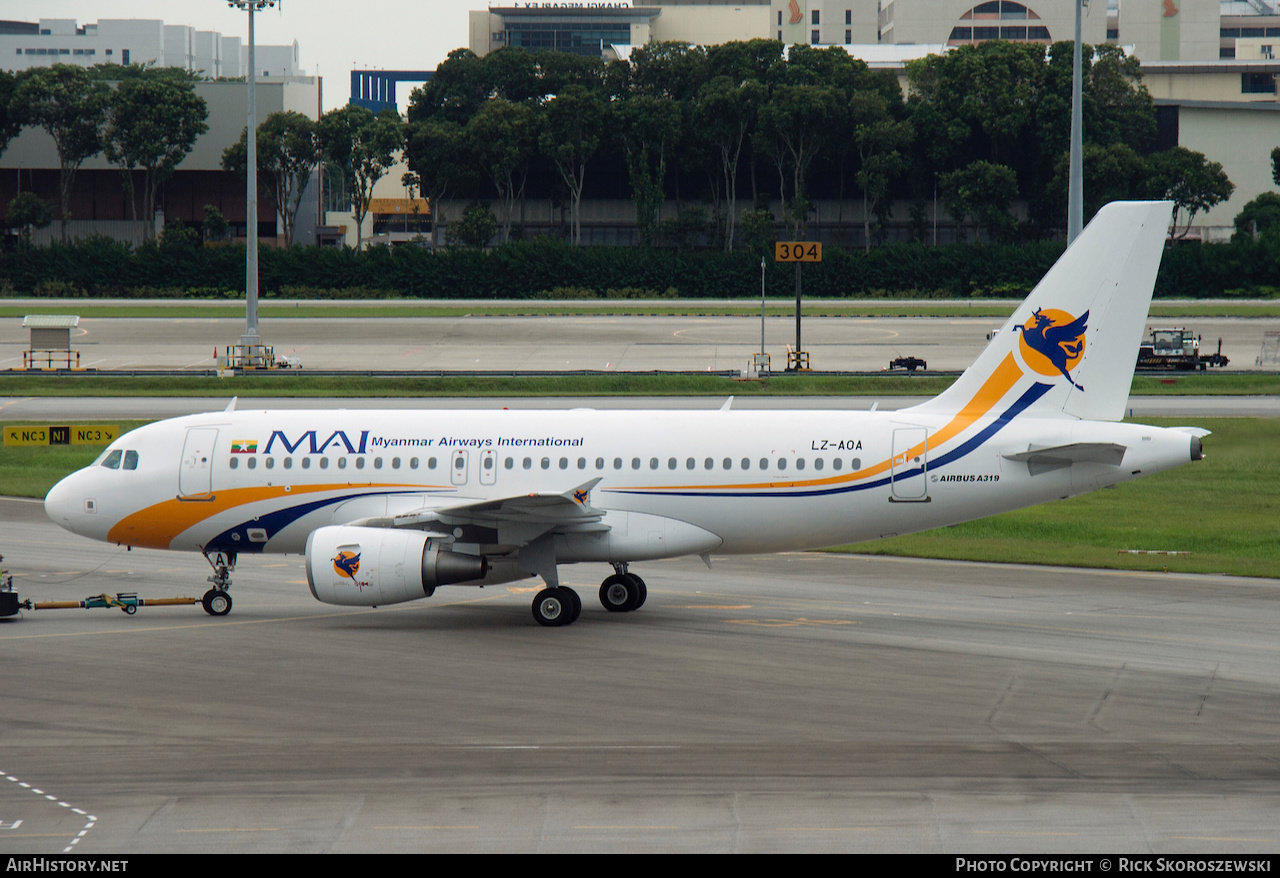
217 600
623 592
556 606
619 593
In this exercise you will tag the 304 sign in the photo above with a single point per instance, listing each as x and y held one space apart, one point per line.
797 251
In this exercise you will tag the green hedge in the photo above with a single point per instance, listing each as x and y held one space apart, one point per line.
531 269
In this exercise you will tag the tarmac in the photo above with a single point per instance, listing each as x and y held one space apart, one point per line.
803 702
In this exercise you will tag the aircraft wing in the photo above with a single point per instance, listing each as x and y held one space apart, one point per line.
514 521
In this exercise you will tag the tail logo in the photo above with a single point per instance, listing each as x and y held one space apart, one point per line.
347 564
1052 342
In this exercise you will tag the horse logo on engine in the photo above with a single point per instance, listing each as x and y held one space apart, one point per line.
1052 342
347 564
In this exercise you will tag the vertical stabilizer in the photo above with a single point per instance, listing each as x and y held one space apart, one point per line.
1071 347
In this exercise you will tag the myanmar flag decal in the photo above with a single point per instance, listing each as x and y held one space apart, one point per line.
244 446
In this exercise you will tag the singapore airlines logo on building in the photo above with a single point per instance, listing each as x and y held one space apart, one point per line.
1052 342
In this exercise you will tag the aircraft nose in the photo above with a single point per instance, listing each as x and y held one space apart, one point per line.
66 504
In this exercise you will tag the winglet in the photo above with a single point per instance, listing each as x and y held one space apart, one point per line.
231 406
727 403
582 494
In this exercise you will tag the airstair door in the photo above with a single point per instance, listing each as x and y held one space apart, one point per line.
909 470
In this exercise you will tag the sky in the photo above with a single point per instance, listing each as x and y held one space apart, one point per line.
334 36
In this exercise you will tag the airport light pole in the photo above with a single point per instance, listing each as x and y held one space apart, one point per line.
762 308
251 340
1075 183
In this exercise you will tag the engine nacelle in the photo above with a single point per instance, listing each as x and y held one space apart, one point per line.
370 566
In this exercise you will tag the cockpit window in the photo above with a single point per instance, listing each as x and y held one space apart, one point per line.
112 460
131 460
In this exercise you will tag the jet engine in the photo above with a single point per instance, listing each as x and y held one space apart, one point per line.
370 566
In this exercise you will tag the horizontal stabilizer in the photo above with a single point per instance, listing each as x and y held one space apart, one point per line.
1043 460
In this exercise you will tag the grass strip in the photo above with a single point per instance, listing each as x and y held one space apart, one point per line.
614 384
1224 510
309 310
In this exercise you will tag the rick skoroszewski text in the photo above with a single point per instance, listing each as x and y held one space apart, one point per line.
1115 864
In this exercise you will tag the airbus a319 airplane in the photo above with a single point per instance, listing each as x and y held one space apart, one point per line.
388 506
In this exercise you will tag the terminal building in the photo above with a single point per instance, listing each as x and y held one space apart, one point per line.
1156 30
98 205
1209 64
138 41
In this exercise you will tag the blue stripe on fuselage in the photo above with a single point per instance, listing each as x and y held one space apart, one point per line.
1023 402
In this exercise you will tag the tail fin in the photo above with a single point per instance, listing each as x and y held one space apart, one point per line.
1071 347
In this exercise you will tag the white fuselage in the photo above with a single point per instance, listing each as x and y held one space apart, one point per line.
249 481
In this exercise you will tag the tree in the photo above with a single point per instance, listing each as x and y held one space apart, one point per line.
437 152
981 190
70 103
1111 173
1258 217
1190 181
794 127
977 102
511 73
288 152
215 224
27 212
570 135
559 70
1275 165
727 112
365 147
670 69
649 127
10 119
759 231
475 228
503 137
880 141
456 92
153 118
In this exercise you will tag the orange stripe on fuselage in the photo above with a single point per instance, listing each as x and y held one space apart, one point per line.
157 526
1004 377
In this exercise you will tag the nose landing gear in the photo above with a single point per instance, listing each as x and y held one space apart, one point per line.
217 600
